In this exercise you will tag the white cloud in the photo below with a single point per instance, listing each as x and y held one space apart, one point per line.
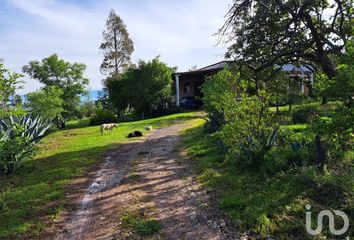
180 31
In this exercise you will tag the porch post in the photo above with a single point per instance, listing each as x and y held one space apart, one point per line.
177 88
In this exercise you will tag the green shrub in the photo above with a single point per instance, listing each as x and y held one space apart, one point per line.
250 130
144 227
304 113
147 227
47 102
17 111
282 158
219 90
336 132
103 116
274 161
14 151
322 125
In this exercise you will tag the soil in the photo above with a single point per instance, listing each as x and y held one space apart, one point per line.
144 179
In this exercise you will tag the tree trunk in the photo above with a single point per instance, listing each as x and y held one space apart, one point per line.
277 101
329 69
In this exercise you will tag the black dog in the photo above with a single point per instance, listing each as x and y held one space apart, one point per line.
135 134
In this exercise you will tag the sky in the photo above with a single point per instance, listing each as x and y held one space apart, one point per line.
182 32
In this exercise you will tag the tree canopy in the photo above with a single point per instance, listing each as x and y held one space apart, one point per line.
117 47
69 77
262 33
46 103
144 87
340 87
9 83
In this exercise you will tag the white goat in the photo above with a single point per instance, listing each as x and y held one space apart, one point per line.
109 127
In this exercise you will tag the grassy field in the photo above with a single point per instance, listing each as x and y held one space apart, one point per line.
26 196
267 205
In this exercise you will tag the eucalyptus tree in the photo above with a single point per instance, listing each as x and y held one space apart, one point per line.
116 47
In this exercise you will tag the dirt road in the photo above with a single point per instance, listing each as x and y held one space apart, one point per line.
145 179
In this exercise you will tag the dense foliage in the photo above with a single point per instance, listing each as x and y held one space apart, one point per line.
272 167
144 88
262 33
275 161
340 87
102 116
46 103
9 83
249 131
69 77
218 91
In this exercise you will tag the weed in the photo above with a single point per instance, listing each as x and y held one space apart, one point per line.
143 227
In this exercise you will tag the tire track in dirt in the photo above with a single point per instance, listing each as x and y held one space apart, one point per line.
163 189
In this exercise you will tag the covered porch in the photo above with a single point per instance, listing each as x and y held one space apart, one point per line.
188 84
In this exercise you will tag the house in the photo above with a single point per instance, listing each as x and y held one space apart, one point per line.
188 84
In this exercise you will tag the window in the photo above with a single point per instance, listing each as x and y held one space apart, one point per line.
187 88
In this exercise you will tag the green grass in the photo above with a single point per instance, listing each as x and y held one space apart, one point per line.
142 226
281 109
295 127
37 191
266 205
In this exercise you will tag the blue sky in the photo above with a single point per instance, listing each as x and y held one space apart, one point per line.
180 31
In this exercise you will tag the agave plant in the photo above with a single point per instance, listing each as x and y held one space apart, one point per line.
17 139
33 129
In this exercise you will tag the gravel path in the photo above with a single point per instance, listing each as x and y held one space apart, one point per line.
146 177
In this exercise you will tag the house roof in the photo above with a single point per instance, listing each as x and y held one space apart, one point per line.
211 68
220 65
292 67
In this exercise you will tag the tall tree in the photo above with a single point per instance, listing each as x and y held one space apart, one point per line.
262 33
145 87
69 77
117 47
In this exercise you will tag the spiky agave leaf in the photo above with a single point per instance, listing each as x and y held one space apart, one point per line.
29 130
33 129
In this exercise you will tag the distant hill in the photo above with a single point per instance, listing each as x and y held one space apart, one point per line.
94 94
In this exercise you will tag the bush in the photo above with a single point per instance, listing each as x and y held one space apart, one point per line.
14 151
103 116
250 131
47 102
166 110
86 109
304 113
147 227
16 111
144 227
283 158
335 131
219 90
